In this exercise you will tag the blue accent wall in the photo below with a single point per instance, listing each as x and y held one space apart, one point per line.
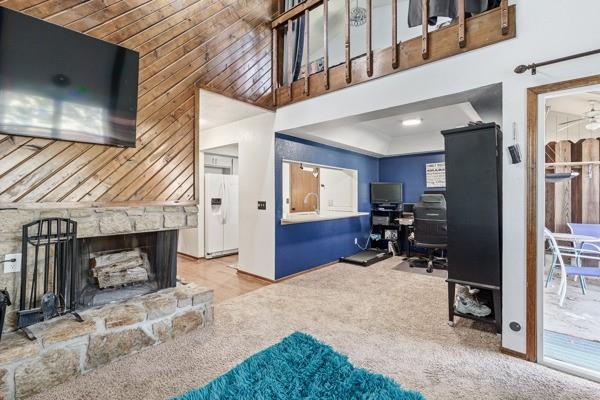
299 247
410 170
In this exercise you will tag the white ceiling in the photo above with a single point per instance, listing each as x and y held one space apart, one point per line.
230 150
433 121
575 104
382 134
217 110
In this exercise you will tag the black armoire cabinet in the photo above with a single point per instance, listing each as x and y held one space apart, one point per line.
474 202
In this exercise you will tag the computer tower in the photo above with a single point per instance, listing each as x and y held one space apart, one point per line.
474 205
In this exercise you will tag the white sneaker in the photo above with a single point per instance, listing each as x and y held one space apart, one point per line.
466 303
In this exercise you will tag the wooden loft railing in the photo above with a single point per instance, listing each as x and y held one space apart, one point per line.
460 36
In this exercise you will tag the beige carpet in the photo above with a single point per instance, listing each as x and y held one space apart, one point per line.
387 321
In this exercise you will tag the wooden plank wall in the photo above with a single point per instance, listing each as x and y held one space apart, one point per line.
577 200
224 45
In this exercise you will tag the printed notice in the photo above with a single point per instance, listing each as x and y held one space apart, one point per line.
435 175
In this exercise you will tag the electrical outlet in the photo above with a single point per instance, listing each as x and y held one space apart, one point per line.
262 205
12 266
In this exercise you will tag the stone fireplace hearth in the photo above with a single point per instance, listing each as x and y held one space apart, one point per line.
65 348
126 293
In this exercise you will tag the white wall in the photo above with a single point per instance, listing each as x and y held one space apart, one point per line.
545 30
256 146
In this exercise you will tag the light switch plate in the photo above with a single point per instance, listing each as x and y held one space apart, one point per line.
14 266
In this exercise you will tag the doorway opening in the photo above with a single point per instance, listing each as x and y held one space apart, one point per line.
565 251
221 202
211 253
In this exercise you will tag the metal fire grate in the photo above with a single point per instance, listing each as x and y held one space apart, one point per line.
48 283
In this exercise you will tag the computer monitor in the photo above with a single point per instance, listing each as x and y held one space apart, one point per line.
386 193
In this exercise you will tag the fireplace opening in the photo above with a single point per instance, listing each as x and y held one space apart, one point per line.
119 267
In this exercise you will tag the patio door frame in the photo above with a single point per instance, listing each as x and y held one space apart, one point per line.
533 289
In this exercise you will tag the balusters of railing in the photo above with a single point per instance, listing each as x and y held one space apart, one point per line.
425 34
290 56
306 53
326 44
347 44
369 37
461 24
504 16
274 65
395 58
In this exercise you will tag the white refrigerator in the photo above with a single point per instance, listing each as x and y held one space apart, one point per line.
221 214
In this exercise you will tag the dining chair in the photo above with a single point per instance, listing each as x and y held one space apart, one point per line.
592 248
570 270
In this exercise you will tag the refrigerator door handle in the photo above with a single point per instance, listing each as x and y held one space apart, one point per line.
225 205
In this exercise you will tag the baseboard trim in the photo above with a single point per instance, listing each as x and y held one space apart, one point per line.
285 278
262 278
513 353
306 271
179 253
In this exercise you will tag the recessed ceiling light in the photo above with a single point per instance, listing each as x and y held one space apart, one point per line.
412 122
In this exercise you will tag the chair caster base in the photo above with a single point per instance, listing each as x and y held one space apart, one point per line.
451 324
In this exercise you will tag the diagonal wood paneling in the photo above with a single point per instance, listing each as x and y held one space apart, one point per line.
224 45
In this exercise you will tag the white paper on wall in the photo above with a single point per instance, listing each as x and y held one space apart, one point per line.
435 175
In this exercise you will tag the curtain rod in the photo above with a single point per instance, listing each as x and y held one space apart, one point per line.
533 67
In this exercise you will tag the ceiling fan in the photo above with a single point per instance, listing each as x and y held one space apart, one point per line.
591 119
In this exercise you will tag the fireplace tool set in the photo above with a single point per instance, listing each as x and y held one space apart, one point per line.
4 302
47 284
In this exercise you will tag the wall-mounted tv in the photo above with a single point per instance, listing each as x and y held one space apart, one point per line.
60 84
386 193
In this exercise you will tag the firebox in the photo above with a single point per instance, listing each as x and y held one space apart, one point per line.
115 268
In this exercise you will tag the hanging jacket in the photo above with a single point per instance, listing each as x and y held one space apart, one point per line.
446 8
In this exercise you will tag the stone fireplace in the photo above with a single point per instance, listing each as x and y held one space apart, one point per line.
125 291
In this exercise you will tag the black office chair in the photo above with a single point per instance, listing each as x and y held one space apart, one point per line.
430 231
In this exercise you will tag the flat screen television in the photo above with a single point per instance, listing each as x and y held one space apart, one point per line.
386 193
60 84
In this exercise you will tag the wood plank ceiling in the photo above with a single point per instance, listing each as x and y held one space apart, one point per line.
224 45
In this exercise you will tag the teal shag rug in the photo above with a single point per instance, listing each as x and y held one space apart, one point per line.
300 367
